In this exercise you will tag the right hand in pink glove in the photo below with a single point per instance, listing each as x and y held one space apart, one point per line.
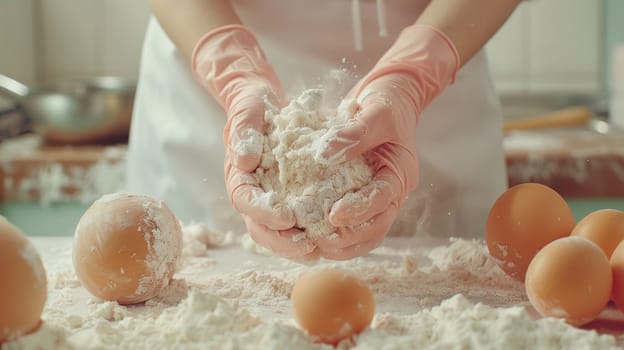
420 64
230 64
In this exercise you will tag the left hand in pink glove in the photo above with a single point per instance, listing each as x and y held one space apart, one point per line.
420 64
232 66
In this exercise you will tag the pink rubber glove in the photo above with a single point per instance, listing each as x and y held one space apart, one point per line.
230 64
420 64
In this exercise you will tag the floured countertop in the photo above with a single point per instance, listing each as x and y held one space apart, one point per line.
33 171
574 162
230 294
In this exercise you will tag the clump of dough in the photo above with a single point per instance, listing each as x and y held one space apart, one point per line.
290 171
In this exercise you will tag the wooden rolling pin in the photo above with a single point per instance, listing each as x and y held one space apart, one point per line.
571 116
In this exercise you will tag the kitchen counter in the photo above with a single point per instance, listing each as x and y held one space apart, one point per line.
575 162
428 294
31 171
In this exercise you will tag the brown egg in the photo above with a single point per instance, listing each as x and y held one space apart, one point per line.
604 227
126 247
617 269
569 278
332 304
23 286
523 220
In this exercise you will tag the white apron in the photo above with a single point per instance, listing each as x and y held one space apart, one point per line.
176 145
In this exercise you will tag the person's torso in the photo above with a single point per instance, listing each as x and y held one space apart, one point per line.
458 138
325 32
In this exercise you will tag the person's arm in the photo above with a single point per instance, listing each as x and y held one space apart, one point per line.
227 60
468 23
421 63
187 21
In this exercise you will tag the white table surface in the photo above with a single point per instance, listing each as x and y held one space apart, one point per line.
56 256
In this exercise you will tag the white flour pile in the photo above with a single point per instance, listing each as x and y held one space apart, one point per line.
164 245
289 172
226 297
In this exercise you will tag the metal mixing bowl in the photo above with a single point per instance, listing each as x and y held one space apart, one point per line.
97 110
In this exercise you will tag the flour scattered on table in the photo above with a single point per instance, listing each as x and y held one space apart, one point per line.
289 171
198 239
458 323
47 337
449 297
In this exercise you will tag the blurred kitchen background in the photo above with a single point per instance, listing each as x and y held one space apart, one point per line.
551 55
560 45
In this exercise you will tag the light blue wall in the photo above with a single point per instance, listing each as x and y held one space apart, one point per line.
613 33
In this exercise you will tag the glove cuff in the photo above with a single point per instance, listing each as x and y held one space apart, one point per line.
425 53
229 57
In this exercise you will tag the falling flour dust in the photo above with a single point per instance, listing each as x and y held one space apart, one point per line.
290 171
450 295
